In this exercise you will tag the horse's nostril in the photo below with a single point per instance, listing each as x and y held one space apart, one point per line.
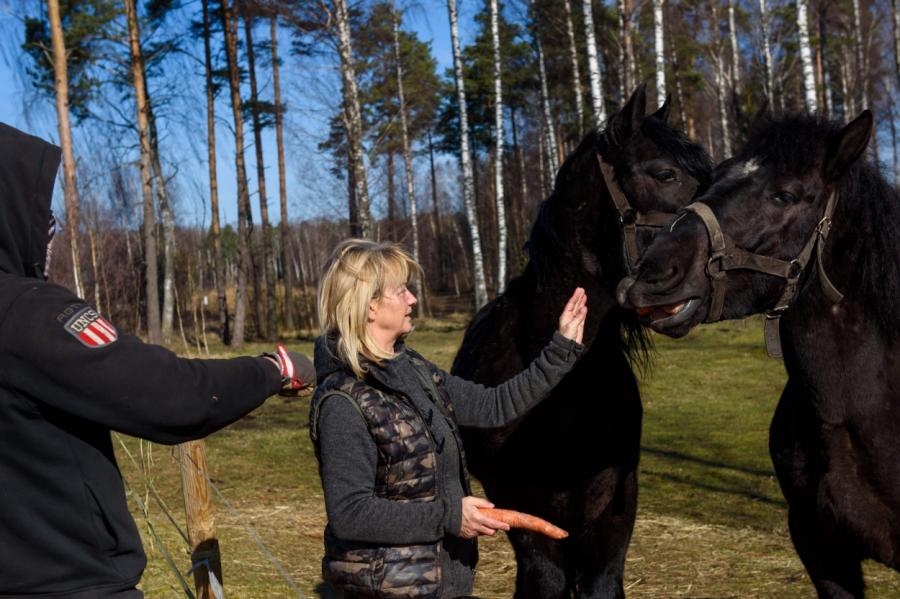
622 292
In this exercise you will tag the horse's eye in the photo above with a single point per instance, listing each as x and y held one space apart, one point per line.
666 176
784 197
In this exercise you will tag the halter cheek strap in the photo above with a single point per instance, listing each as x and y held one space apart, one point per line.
629 218
724 255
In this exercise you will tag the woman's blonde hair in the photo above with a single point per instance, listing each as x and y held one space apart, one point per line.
358 271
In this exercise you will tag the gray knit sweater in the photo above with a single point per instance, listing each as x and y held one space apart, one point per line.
349 455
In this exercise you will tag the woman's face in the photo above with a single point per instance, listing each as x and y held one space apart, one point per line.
390 316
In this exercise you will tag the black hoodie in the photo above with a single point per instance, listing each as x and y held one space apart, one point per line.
67 378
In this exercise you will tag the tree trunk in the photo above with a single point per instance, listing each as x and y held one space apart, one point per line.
893 121
408 166
895 13
593 67
576 71
168 224
245 231
498 151
466 160
679 90
154 334
809 76
436 212
767 55
288 313
735 54
862 79
823 51
267 270
660 50
626 8
354 133
215 230
391 197
70 185
719 74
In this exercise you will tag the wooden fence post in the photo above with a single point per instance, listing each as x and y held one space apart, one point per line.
200 519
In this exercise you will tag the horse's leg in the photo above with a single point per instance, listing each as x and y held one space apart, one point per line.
827 555
600 550
541 570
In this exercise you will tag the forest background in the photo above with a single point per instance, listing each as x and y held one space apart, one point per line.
214 152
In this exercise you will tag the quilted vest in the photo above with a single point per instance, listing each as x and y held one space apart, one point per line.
406 471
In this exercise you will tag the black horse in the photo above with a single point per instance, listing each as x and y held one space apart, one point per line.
573 460
800 194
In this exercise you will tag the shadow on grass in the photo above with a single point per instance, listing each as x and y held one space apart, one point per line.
683 480
677 455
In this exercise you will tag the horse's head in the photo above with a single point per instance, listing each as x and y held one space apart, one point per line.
655 165
743 247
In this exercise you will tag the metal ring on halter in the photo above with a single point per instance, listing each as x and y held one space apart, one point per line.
718 273
795 268
628 217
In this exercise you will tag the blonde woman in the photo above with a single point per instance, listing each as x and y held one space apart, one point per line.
402 521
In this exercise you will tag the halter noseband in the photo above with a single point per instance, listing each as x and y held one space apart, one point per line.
724 256
629 218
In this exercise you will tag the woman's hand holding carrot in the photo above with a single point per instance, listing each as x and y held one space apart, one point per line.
475 522
571 321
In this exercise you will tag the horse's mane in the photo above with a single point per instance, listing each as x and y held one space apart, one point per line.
868 206
547 249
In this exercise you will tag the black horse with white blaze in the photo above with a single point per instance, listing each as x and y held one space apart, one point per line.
803 228
573 460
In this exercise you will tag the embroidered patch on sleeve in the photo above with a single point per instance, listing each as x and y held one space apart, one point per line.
91 329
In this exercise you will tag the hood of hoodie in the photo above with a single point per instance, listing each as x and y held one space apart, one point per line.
27 171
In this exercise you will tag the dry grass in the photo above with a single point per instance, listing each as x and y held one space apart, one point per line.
711 520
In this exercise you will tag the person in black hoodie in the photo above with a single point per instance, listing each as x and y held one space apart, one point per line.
67 378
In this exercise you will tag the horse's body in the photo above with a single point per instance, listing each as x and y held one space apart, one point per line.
835 435
573 460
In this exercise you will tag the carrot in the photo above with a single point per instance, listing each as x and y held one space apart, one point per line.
527 521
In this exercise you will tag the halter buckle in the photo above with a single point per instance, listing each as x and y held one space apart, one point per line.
824 227
628 217
795 268
717 272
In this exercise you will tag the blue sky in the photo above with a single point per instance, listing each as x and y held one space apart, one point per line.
311 191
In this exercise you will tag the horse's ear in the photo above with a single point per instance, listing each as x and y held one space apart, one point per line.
846 146
664 110
761 119
629 119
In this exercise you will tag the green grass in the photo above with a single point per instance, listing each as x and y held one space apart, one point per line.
711 520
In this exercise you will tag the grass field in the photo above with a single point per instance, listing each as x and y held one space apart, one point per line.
711 519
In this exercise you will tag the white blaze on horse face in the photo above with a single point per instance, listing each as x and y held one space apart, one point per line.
747 168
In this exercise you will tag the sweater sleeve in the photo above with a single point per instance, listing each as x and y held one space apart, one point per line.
486 407
115 379
349 459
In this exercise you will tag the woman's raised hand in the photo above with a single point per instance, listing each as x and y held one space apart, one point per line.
571 321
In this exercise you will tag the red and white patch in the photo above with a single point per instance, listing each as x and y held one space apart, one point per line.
91 329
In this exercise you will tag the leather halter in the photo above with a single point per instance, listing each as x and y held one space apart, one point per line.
724 256
629 218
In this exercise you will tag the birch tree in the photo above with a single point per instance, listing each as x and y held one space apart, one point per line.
154 333
862 80
354 118
599 110
498 152
229 25
660 51
466 160
407 157
823 53
809 76
576 70
288 272
735 54
546 112
70 183
767 54
719 80
215 229
625 9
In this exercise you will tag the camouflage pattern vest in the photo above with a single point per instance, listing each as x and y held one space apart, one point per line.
406 471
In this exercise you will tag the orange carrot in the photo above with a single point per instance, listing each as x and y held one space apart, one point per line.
527 521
